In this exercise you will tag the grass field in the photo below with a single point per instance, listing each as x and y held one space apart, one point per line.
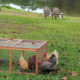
62 34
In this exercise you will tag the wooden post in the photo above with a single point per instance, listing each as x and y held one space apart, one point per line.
23 52
10 61
42 54
46 50
37 55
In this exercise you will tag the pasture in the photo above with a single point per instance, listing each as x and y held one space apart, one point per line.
62 35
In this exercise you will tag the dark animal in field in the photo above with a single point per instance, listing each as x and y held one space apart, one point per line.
55 12
46 11
49 65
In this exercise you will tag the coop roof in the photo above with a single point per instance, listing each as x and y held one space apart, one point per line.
20 44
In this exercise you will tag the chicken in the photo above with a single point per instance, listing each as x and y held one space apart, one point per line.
49 65
32 62
46 57
49 55
23 63
56 54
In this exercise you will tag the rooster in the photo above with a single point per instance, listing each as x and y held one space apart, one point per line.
23 63
49 55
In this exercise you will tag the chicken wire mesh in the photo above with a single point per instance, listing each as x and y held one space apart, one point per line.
16 54
16 57
4 60
42 52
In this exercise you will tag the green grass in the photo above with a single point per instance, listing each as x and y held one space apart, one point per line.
63 34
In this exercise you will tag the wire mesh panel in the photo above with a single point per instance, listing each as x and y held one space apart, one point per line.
15 60
40 54
4 60
16 54
16 63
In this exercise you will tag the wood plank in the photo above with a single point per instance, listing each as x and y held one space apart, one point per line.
16 48
17 42
10 61
43 44
37 56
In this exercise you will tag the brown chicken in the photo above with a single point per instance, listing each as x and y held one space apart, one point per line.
32 62
23 63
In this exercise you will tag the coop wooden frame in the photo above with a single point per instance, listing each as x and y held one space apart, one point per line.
18 41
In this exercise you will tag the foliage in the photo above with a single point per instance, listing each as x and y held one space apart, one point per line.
67 6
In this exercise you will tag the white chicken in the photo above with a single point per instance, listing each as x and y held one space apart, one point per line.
23 63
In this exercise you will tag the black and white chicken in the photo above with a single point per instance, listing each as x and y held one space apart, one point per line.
49 65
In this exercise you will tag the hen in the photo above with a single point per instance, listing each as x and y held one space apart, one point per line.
32 62
49 55
49 65
23 63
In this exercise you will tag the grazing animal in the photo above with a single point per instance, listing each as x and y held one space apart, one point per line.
46 11
23 63
49 55
49 65
55 12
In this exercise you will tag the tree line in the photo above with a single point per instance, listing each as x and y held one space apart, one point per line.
67 6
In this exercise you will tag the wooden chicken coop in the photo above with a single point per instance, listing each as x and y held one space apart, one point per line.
23 45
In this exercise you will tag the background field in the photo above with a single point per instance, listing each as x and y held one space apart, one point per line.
62 34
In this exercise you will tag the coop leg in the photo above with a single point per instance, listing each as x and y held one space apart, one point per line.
42 54
23 52
10 63
46 51
37 55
